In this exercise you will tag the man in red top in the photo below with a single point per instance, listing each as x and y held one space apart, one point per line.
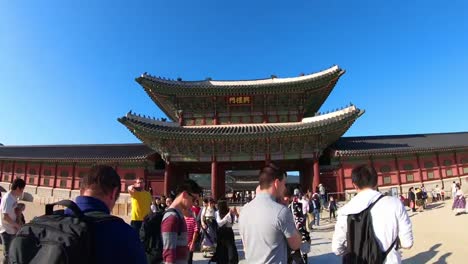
173 226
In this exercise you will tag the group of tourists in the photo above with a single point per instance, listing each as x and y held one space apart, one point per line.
208 228
274 227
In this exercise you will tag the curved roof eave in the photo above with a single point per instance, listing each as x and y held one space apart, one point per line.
171 130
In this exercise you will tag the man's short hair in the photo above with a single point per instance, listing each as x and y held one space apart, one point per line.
18 184
269 174
102 179
364 176
189 186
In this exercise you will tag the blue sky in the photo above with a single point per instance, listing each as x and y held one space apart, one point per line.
67 69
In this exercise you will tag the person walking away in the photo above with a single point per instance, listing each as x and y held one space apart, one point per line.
192 232
209 228
383 218
412 198
265 225
315 207
226 250
459 202
8 224
141 203
332 207
173 226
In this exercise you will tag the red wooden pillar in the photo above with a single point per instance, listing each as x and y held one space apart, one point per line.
221 182
418 160
73 176
55 175
13 172
39 175
1 170
397 167
316 173
169 168
214 180
26 166
440 170
341 187
456 166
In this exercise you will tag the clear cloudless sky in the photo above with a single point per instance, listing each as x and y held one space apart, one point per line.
68 68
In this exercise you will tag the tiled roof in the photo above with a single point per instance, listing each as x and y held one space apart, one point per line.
317 124
226 84
356 146
77 152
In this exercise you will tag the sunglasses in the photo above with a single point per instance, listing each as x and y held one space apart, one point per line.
193 197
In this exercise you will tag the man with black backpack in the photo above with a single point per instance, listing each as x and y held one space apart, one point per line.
370 228
85 232
164 234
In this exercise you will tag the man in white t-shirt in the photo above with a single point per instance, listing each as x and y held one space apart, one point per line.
8 224
389 217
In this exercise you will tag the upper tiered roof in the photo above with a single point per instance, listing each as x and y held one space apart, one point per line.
316 87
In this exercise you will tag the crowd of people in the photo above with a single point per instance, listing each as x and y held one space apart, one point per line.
275 226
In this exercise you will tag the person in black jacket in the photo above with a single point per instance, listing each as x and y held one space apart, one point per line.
412 198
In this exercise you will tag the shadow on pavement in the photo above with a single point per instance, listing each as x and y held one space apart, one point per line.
425 257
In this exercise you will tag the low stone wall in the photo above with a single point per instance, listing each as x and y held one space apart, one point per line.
61 194
29 193
44 195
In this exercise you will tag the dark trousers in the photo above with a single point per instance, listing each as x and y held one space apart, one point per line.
332 212
190 257
6 241
136 225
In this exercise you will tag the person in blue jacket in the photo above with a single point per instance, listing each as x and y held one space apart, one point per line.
115 240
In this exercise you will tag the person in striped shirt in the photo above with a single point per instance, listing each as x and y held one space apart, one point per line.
192 232
173 226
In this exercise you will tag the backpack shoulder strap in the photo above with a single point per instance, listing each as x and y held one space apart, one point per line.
372 204
391 247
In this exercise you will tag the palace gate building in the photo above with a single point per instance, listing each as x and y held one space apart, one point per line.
219 127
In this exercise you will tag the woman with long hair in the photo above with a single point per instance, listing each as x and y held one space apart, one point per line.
226 250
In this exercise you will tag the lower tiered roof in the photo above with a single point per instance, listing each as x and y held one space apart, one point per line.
396 144
73 153
143 127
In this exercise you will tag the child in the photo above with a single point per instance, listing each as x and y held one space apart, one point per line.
19 209
332 207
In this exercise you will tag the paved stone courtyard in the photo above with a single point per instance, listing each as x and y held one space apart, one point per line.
440 237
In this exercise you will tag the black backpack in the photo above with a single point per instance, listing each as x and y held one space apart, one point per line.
58 238
362 245
151 236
